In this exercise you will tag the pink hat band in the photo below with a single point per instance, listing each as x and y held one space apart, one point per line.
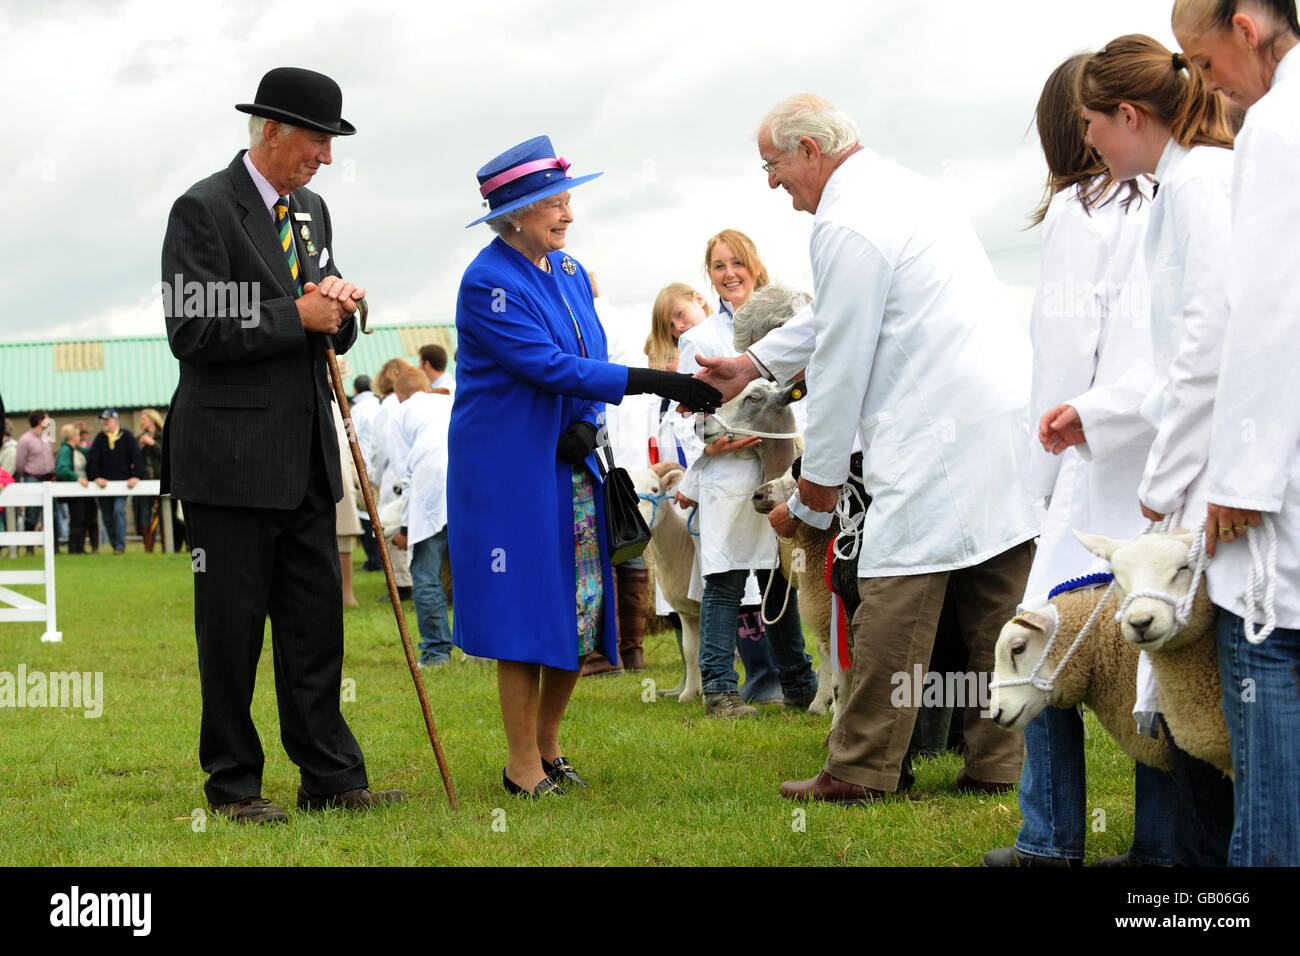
523 169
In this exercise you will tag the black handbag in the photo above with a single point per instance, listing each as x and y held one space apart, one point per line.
626 533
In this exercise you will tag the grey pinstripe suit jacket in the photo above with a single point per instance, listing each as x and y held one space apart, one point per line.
239 427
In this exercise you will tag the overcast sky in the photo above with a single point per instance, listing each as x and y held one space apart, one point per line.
118 106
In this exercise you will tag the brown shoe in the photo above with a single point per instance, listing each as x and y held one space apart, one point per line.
251 810
633 659
359 799
826 788
598 665
968 784
728 704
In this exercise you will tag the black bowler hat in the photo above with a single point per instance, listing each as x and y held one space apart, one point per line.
301 98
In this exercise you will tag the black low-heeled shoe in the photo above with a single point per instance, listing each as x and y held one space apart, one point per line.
546 787
562 771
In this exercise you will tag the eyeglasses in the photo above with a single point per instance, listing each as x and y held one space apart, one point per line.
769 166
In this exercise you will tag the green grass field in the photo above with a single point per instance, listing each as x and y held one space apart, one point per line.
667 785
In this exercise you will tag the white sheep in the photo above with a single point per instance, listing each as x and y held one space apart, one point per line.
1185 660
1101 673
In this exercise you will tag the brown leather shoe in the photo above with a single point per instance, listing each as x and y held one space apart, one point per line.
359 799
830 790
967 784
598 665
251 810
633 659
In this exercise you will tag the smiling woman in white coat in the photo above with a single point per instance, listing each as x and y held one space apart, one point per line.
1248 49
1149 111
1092 363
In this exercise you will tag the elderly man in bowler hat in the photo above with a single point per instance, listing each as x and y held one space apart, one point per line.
251 450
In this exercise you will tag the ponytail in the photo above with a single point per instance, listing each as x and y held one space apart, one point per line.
1138 70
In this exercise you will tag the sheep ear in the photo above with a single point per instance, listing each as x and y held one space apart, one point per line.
1038 620
1098 544
672 480
1185 537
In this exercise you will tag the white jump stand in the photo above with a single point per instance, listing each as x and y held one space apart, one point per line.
15 606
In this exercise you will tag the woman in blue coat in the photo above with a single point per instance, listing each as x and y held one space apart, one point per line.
531 579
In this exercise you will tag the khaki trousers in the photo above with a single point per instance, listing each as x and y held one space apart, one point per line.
893 631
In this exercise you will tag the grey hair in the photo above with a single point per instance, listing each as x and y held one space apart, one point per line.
256 132
767 309
813 116
503 225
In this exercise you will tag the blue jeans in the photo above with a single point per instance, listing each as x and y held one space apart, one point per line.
762 676
32 513
719 607
430 601
114 513
1053 800
1261 704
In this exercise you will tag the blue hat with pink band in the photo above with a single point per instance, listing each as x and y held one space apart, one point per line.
522 175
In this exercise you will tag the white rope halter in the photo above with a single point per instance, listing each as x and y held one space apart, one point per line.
749 431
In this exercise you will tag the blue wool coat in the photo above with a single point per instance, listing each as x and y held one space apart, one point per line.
520 382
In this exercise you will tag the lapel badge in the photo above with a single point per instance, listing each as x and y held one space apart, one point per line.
302 216
568 266
305 232
311 248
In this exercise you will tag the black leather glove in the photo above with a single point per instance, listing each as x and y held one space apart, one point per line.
576 443
694 393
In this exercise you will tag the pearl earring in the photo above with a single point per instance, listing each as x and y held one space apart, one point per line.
518 229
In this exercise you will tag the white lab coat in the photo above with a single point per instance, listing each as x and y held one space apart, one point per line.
1090 328
916 351
1186 249
733 536
421 429
1255 454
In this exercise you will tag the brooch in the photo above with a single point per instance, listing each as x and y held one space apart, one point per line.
568 266
305 232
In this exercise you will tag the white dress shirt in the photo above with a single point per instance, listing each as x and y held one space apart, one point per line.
421 431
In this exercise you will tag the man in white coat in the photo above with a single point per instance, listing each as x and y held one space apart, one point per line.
905 345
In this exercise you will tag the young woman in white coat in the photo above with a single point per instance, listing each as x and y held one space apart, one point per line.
1247 48
1092 362
1148 111
734 538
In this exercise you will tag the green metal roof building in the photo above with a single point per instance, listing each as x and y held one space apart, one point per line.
141 372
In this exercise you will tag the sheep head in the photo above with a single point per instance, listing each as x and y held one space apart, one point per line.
772 493
659 482
1152 562
1018 649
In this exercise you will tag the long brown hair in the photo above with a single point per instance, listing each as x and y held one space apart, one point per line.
1070 161
661 346
1139 70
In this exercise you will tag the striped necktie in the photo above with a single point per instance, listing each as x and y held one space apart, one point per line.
286 238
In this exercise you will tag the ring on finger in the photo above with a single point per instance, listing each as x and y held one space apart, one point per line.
1225 533
1238 529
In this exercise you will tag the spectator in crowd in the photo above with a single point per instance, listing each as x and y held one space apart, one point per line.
385 474
34 461
92 526
71 466
8 448
422 424
433 363
364 408
147 511
114 456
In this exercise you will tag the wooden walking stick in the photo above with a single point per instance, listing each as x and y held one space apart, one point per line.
336 377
